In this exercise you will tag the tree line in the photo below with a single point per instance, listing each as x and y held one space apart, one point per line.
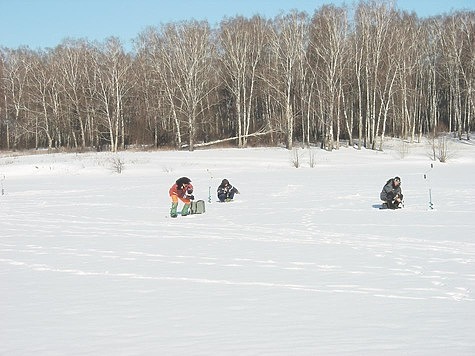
352 75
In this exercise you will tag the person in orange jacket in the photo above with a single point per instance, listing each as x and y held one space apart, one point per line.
183 190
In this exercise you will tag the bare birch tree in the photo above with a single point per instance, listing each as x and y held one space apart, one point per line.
456 33
329 45
290 43
188 52
16 71
70 59
374 19
113 67
243 42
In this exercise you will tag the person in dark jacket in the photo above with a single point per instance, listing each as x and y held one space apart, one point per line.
226 191
183 190
391 194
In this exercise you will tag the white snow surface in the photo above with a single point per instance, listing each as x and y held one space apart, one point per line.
301 263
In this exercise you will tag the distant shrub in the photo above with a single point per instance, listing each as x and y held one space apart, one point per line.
443 149
312 158
440 148
295 157
403 149
117 165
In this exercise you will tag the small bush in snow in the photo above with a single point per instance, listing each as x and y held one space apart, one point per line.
312 158
2 178
295 157
117 165
403 149
443 149
440 148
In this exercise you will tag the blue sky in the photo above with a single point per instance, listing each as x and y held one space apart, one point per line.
45 23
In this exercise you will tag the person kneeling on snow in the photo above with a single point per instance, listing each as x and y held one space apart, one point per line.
183 190
226 191
391 194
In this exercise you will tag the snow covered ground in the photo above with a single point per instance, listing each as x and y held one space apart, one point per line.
302 262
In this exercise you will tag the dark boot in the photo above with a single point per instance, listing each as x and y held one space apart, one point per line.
393 205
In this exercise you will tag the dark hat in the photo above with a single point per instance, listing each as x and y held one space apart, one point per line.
397 179
183 180
224 182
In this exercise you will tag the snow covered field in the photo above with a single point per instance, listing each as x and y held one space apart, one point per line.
301 263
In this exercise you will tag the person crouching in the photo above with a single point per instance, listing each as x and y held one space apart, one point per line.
391 194
183 190
226 191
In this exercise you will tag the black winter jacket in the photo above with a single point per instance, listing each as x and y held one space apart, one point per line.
390 190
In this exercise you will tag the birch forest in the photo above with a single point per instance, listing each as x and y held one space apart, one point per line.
340 76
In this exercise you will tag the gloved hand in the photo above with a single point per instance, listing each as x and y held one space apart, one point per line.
191 197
